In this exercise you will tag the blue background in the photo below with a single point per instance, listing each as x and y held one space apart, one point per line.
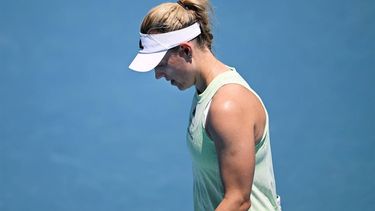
79 131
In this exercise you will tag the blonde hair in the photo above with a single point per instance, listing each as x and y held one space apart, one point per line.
168 17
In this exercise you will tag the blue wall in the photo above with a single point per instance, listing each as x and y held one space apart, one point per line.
79 131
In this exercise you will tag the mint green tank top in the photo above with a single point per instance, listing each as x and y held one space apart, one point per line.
207 188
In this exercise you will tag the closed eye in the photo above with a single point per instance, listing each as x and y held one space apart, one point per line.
160 66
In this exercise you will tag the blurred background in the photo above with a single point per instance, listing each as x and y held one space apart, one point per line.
80 131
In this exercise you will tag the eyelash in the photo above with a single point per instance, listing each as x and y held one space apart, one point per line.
161 65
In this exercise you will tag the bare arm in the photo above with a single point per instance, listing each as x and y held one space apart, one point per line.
231 124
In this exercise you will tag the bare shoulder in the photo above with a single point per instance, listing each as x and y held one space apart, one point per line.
235 96
233 107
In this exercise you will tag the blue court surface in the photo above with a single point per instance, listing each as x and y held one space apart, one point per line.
80 131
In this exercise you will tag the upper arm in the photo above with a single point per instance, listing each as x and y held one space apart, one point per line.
231 125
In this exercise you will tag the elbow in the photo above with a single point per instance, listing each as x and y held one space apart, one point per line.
245 205
239 203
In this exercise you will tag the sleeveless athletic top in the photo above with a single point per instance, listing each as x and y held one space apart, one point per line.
208 189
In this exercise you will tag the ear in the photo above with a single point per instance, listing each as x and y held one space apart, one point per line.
186 51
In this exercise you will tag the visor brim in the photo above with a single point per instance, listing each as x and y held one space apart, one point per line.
145 62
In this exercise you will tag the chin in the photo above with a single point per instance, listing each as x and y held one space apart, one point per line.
183 88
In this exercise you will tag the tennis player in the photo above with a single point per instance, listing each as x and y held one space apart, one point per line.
228 134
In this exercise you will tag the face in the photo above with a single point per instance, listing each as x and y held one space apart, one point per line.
176 67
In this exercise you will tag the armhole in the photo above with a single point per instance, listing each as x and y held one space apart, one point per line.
265 126
205 113
265 131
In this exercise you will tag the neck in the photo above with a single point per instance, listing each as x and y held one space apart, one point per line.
208 67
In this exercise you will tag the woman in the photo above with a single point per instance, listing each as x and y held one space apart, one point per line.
228 129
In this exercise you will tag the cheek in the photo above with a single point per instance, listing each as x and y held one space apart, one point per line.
181 73
187 79
178 70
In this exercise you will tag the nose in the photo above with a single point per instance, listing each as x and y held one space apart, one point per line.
159 73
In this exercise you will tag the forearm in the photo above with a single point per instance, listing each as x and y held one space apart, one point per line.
234 204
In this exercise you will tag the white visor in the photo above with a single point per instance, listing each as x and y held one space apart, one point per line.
155 46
